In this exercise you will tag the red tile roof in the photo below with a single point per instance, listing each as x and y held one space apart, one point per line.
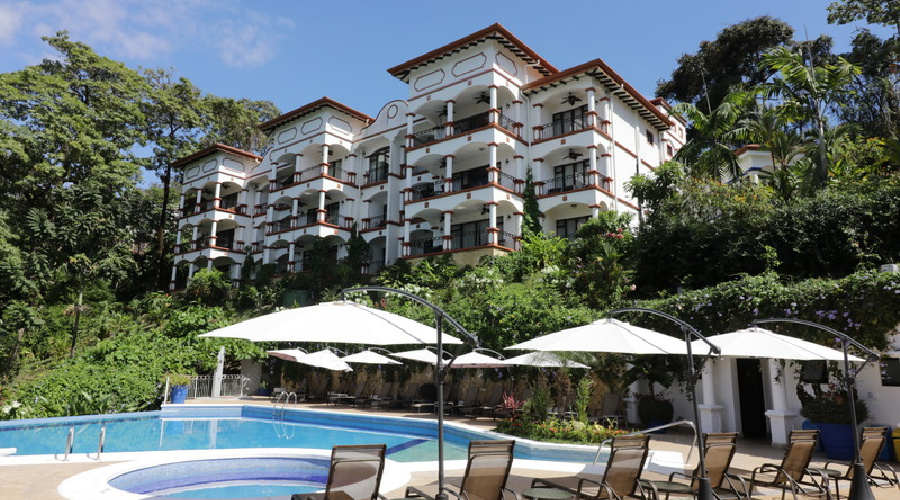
309 108
496 31
207 151
611 80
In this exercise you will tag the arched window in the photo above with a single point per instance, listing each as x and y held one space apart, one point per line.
379 164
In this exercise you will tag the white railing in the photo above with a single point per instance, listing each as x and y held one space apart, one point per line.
232 385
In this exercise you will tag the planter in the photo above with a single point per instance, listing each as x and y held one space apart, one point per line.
262 391
179 394
837 439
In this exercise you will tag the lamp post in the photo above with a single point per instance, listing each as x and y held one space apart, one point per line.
439 370
704 490
859 486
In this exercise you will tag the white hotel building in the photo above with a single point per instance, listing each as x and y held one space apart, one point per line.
440 172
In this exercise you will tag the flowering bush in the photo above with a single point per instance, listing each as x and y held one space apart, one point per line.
12 410
830 406
554 429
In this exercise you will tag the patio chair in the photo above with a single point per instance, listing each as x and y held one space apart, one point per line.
794 473
488 407
621 477
611 411
872 442
355 473
486 473
720 448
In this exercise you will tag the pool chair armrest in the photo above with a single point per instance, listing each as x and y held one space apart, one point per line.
731 478
883 469
601 486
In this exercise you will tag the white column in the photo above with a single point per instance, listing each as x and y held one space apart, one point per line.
494 115
178 241
409 129
236 273
781 419
172 279
710 412
447 242
591 108
448 174
492 223
199 199
324 164
191 270
295 209
592 166
406 232
209 264
217 195
492 163
267 255
320 213
181 205
213 227
448 131
194 234
518 117
536 121
291 249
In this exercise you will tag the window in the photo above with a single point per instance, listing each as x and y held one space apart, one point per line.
890 372
472 234
568 121
379 164
650 137
569 176
566 228
814 372
471 178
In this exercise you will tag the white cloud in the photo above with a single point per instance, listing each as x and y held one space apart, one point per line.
144 31
10 21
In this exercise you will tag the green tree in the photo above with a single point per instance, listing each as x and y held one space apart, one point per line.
806 92
709 152
883 12
729 62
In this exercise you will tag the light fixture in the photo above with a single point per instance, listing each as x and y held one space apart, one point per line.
573 155
484 209
571 99
482 98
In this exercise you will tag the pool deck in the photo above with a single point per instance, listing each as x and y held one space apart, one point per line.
40 481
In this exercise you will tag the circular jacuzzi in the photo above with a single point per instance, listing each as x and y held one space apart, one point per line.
244 474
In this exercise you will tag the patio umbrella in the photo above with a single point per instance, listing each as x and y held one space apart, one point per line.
320 359
340 322
756 342
543 360
421 355
370 357
606 335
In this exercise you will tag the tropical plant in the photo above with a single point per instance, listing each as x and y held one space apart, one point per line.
709 152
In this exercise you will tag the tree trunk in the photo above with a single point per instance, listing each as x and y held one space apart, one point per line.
77 318
10 361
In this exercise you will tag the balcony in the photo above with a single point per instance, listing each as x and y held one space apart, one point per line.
430 135
563 183
471 123
376 222
378 174
426 246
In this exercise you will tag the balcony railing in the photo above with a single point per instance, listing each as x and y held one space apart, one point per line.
560 127
429 135
375 222
507 122
282 225
468 239
426 246
507 180
471 123
506 239
376 175
425 190
563 183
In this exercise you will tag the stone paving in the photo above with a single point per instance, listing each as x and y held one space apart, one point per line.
39 482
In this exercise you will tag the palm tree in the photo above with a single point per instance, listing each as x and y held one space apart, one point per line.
709 154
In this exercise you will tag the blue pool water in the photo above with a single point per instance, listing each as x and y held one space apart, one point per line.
152 433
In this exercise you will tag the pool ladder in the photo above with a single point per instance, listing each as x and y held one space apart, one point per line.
70 443
287 399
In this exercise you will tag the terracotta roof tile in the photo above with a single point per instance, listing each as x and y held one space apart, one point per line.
207 151
309 108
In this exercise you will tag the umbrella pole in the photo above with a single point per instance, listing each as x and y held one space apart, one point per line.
439 381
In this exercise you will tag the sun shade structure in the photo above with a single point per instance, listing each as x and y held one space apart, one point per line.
476 359
606 335
543 360
371 358
320 359
340 322
421 355
758 342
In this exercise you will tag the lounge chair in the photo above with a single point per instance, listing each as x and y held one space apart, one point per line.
355 474
794 473
621 477
720 449
871 443
381 398
486 407
611 411
486 473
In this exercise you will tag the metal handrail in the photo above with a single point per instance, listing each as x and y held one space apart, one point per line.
653 429
101 442
70 442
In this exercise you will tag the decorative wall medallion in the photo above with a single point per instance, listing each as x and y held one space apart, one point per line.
392 111
340 124
233 164
469 64
312 125
506 64
287 135
209 166
429 80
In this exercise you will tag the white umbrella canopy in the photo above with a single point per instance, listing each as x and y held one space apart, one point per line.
543 360
370 357
340 322
476 359
758 342
320 359
606 335
422 355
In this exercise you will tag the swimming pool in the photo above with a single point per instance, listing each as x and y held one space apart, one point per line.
211 427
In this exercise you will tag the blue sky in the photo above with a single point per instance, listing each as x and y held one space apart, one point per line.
293 52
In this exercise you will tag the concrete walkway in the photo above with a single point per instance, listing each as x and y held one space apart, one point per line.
39 482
